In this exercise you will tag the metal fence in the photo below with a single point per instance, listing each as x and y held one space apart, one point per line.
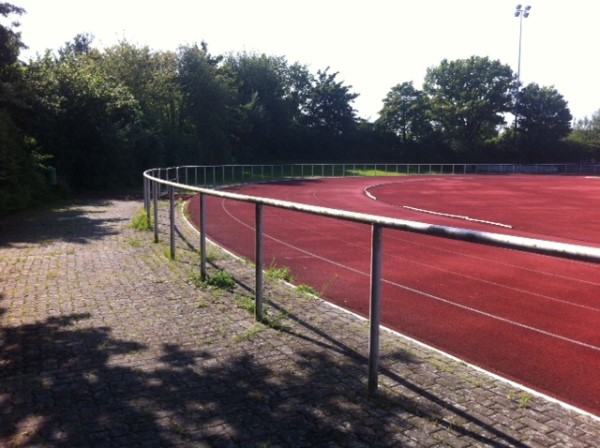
161 182
212 175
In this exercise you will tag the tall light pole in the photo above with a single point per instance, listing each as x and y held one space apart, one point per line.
521 13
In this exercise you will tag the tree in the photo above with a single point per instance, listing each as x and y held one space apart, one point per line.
10 39
83 118
152 79
404 114
206 99
268 96
22 180
587 132
328 105
81 44
543 118
467 99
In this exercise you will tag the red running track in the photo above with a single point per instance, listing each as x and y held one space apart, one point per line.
529 318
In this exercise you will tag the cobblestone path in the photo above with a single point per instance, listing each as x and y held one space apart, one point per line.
106 342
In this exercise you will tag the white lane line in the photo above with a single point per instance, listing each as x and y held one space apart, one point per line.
371 196
422 293
464 218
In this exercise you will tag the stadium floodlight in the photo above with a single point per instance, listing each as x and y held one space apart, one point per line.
521 13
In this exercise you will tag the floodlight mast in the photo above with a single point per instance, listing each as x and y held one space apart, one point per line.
521 13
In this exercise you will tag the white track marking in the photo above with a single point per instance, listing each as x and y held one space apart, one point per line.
477 279
422 293
511 265
474 257
490 261
371 196
493 316
470 277
464 218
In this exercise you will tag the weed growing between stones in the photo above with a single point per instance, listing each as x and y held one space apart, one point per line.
279 273
219 279
307 290
141 221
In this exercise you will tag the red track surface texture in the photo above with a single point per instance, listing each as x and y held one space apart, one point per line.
530 318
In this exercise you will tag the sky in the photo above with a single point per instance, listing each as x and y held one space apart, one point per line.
372 44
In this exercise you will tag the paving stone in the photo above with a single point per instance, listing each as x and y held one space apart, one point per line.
104 341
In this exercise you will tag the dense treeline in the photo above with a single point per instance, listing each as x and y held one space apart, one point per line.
100 117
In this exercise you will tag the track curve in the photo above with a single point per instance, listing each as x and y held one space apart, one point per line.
530 318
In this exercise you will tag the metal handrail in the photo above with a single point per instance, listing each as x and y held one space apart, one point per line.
152 186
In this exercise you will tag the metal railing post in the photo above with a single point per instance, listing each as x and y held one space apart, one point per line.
172 219
155 200
258 309
146 196
203 237
375 308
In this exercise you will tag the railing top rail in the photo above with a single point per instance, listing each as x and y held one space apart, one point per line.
564 250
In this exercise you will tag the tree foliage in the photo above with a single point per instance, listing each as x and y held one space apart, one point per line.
83 118
586 133
267 105
468 99
103 116
328 107
22 180
404 114
206 98
544 118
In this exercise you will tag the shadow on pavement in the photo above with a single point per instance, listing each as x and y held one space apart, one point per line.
64 222
61 387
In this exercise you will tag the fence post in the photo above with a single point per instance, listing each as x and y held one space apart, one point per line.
202 237
146 197
172 219
258 311
375 308
155 200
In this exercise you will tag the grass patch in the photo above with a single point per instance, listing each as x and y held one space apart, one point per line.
524 400
274 321
220 279
141 222
245 303
372 172
167 253
212 254
279 273
134 243
307 290
247 335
